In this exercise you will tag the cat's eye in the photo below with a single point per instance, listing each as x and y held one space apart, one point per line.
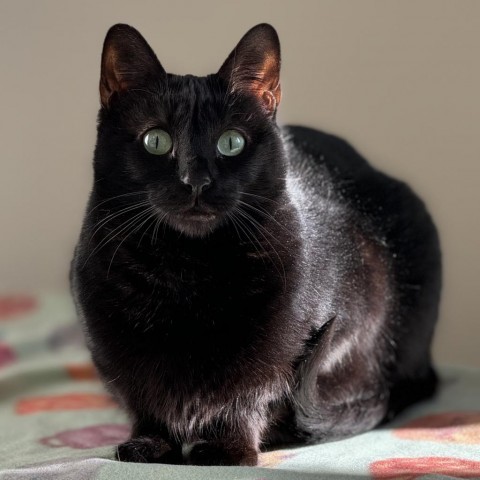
230 143
157 142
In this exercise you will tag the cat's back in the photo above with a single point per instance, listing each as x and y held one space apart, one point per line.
338 192
326 169
320 159
315 147
346 205
373 258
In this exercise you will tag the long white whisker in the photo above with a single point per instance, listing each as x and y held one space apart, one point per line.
154 233
133 228
252 238
261 197
156 229
263 212
153 216
262 229
230 216
113 215
115 232
140 192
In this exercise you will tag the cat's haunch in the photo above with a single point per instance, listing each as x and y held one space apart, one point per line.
243 285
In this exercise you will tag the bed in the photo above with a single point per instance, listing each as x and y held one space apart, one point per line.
57 421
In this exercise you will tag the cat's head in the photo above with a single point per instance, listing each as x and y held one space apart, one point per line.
195 149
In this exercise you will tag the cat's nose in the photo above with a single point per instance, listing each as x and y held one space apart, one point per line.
197 184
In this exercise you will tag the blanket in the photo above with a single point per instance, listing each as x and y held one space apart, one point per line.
58 422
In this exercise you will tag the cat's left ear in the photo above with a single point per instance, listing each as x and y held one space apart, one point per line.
253 67
127 62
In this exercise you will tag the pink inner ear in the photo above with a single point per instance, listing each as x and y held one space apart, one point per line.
267 87
127 60
109 82
269 101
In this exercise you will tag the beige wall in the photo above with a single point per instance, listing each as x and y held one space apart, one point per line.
399 79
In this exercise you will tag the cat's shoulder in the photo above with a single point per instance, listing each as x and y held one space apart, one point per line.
323 147
309 138
339 164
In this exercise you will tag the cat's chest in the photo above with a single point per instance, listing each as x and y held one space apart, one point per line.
178 292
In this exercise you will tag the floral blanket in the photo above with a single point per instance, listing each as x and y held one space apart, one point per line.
57 421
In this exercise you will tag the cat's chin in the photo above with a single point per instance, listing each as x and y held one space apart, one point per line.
195 224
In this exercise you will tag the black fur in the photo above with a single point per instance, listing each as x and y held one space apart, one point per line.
294 299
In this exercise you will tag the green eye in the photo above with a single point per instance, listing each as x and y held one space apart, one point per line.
157 142
230 143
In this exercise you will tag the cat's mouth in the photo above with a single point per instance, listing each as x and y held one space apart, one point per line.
195 221
197 214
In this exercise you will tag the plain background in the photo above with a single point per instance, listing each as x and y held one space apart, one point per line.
399 79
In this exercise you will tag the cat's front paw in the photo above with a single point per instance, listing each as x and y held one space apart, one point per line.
217 453
148 450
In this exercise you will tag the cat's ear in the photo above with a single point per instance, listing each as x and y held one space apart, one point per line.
254 66
127 62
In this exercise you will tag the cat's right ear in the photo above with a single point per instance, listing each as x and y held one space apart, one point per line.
127 62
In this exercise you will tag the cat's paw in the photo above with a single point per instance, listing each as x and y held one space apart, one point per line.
217 453
147 450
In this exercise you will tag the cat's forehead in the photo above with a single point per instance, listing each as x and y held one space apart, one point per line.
194 101
190 89
182 102
186 104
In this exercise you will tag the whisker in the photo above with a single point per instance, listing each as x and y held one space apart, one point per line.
133 228
140 192
232 219
251 238
263 212
155 230
115 232
262 229
113 215
157 226
261 197
154 217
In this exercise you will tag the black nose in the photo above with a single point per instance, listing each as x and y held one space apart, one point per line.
197 184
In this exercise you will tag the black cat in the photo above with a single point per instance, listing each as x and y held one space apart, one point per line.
243 285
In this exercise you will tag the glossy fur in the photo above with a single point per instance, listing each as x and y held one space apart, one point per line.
291 300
